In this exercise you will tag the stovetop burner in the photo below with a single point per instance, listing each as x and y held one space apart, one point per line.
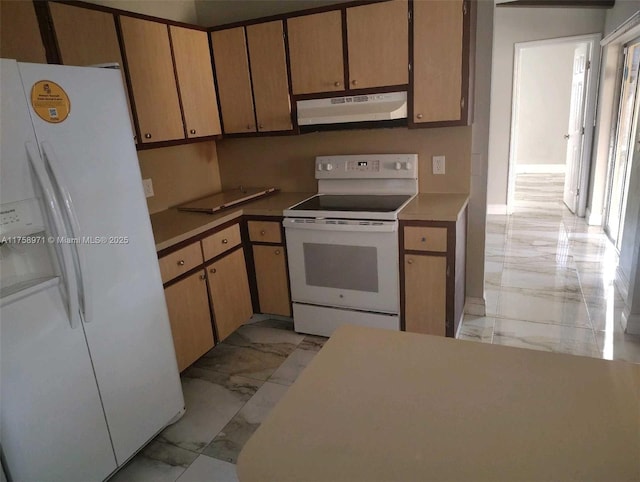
349 202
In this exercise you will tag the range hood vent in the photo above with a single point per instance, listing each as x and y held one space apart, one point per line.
357 108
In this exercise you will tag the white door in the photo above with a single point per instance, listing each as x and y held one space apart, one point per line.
575 132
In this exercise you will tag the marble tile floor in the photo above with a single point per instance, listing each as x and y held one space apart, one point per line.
228 393
549 279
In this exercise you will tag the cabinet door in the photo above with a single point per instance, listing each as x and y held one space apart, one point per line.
315 52
195 80
378 40
86 37
234 84
269 76
271 278
425 294
437 60
188 306
155 93
230 296
20 37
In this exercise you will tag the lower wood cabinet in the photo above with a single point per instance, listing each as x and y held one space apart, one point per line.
230 295
432 272
271 279
188 305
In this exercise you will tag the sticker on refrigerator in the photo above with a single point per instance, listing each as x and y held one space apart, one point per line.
50 101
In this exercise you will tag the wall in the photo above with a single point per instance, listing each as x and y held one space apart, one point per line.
545 78
621 11
180 173
178 10
513 25
287 162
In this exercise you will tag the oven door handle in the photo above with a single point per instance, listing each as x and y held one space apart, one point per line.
349 226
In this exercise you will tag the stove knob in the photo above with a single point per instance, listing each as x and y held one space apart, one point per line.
398 166
328 167
407 166
319 167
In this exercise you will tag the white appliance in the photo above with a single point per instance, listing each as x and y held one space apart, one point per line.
355 108
342 244
88 369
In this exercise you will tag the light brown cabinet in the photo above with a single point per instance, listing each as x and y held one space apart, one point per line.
270 265
19 33
315 52
195 81
438 56
229 291
234 82
188 306
87 37
378 44
267 55
432 274
155 93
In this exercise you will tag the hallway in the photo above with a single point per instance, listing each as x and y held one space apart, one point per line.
549 280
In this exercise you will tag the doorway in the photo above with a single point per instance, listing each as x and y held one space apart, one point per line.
553 107
620 162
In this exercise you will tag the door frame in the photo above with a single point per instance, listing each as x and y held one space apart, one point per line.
589 114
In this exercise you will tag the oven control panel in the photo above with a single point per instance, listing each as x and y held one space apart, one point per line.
368 166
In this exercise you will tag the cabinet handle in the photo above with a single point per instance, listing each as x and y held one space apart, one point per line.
354 82
212 270
337 84
249 127
277 251
263 232
147 136
181 262
419 116
225 241
424 240
260 126
203 277
192 131
409 261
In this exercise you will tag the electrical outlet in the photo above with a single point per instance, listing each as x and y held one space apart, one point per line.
147 185
438 164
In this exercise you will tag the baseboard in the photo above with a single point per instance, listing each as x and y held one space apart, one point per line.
256 317
496 209
622 283
593 219
475 306
541 168
630 322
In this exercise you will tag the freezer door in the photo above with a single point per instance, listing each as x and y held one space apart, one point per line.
52 424
93 162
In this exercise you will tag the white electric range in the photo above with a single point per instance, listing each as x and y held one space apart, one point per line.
343 243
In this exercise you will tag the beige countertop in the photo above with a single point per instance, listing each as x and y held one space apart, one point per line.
434 207
172 226
378 405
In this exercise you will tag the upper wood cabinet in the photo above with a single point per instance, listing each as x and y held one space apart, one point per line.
86 37
234 82
438 57
378 41
195 80
315 52
153 81
269 75
19 33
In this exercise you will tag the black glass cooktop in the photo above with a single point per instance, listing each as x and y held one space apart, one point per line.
363 203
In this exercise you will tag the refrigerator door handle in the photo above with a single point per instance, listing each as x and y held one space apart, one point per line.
56 215
51 159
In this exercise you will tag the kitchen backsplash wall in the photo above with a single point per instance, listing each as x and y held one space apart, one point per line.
287 162
180 173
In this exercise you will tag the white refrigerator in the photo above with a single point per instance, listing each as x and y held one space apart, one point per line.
88 372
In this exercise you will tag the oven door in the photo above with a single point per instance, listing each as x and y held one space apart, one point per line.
344 263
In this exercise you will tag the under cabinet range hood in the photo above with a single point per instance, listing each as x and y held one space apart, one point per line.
356 108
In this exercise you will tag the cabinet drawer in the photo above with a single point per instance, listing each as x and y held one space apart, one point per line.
221 241
265 231
181 261
422 238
